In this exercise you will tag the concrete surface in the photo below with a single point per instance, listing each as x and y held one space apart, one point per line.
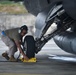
44 65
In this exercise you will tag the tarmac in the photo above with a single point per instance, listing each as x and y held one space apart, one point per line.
44 65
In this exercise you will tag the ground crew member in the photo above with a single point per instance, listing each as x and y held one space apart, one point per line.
12 38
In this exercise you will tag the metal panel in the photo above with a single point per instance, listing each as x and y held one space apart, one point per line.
35 6
70 7
66 41
40 20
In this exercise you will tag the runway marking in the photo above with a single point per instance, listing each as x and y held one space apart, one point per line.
63 58
19 74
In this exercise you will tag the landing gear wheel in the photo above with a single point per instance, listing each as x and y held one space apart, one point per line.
29 46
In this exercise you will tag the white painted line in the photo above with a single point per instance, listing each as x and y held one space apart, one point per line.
70 59
51 55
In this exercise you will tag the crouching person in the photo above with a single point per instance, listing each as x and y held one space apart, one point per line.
12 38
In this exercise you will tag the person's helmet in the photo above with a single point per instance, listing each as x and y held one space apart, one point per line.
24 27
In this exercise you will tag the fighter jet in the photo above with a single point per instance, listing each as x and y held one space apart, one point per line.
55 19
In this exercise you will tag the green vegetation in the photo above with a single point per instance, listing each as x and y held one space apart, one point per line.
10 7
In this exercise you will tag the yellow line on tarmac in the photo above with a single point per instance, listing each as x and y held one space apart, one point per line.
18 74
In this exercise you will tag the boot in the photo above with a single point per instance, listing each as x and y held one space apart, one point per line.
12 59
5 55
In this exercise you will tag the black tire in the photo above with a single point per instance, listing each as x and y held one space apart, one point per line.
30 46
